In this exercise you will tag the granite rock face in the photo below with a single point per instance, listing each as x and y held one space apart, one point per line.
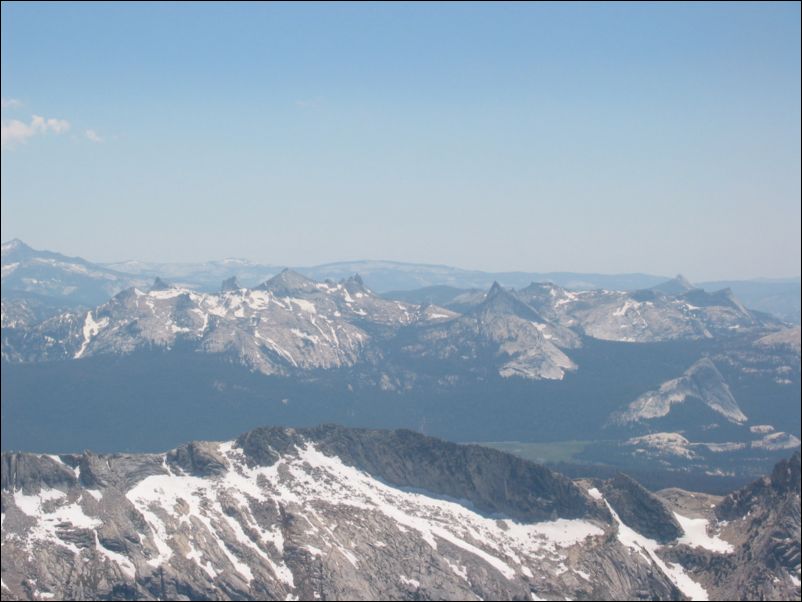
701 382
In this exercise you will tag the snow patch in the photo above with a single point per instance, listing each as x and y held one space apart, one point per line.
305 305
90 329
695 535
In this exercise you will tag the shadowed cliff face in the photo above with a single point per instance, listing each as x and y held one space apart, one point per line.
495 482
640 509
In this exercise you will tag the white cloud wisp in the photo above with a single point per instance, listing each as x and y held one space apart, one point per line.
15 131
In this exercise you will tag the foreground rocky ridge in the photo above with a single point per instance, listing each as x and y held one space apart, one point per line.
331 512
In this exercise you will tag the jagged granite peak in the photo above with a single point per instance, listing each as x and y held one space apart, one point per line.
786 478
288 282
787 475
230 284
701 381
354 284
641 509
676 286
160 285
495 482
312 514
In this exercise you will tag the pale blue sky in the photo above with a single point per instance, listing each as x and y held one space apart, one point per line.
607 138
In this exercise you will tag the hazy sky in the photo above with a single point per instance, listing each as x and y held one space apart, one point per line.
608 138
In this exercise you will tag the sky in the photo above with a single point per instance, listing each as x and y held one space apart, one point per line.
657 138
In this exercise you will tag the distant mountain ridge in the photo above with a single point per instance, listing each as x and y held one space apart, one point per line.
779 297
54 274
291 322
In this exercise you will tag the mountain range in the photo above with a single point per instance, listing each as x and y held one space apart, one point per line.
330 512
291 323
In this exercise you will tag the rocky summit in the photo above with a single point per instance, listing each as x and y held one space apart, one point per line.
338 513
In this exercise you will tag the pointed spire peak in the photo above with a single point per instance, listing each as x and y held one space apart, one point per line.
495 289
160 285
501 301
498 292
230 284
